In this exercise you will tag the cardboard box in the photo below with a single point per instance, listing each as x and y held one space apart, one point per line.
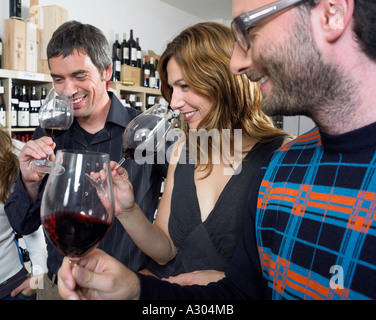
14 44
130 74
50 18
31 63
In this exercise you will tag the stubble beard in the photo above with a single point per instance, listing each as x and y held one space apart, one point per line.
303 82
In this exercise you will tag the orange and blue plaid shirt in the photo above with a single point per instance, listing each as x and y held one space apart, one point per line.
310 226
316 218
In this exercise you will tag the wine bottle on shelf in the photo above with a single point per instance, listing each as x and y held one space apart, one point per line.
14 107
43 95
132 47
157 77
15 9
151 101
3 112
124 51
139 53
34 108
116 63
145 72
132 101
24 110
152 79
1 53
138 103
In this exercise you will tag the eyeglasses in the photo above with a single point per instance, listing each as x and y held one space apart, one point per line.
241 24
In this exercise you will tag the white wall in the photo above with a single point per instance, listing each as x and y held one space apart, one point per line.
153 21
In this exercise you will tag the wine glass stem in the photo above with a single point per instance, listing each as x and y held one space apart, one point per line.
120 163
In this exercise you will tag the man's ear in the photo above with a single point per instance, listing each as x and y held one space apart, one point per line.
336 17
107 73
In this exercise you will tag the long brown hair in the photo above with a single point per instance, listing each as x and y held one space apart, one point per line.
9 165
203 53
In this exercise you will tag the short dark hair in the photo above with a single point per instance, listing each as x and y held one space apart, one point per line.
74 35
365 25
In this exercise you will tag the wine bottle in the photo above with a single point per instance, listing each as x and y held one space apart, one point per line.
14 107
43 95
132 47
1 53
138 103
152 79
34 108
124 51
132 101
157 77
145 72
15 9
24 110
3 112
139 53
116 63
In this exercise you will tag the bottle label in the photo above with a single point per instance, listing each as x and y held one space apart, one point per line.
118 66
35 103
146 73
34 121
152 82
139 55
3 118
126 53
133 54
24 105
14 118
23 119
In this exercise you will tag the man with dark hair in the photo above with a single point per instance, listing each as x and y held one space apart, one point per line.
80 62
310 228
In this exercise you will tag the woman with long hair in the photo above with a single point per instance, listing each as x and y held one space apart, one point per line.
200 216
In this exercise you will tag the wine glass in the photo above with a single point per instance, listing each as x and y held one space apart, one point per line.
146 134
75 215
55 114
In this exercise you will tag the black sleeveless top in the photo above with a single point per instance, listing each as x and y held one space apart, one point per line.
209 245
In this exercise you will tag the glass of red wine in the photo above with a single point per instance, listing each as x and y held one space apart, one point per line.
75 215
55 114
146 134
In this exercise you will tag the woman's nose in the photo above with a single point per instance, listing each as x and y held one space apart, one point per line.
177 101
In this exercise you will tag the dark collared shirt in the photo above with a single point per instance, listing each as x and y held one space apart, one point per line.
146 179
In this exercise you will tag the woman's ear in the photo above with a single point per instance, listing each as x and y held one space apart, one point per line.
337 15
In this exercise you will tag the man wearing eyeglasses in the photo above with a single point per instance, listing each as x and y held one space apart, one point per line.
310 229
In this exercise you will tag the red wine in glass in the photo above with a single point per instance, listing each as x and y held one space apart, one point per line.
74 234
55 114
75 215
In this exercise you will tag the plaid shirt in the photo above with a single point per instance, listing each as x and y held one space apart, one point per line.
309 230
315 219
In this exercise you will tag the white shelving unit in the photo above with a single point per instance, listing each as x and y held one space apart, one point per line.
11 78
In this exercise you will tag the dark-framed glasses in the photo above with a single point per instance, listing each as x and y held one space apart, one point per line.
241 24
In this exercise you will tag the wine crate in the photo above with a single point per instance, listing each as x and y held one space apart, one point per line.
50 18
14 44
131 74
31 56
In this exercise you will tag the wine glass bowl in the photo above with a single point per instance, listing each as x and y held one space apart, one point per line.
75 215
56 114
146 134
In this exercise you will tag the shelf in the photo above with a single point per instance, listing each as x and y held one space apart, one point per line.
141 92
11 77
